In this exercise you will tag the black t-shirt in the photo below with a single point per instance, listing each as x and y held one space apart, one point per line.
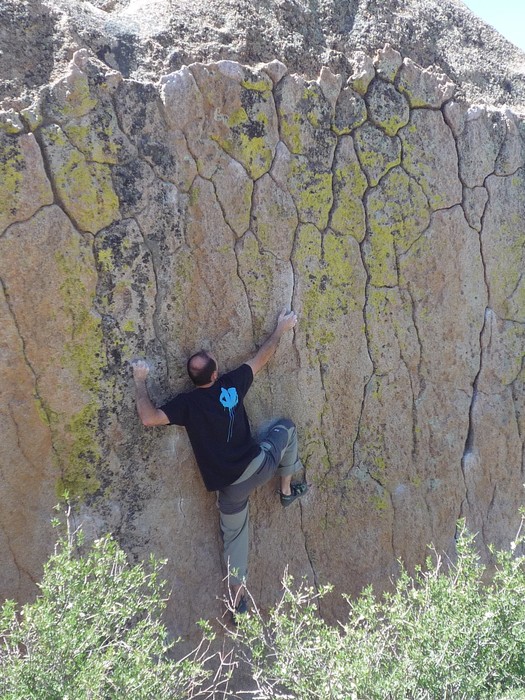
217 426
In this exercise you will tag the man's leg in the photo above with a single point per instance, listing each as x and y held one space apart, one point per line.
235 530
234 520
280 442
278 455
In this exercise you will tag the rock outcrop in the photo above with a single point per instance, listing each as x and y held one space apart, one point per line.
143 218
144 39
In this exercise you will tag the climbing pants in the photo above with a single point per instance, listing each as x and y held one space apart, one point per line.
278 457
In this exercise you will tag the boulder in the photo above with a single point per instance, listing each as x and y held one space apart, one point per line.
163 195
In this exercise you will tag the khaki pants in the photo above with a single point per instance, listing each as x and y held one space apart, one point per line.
278 457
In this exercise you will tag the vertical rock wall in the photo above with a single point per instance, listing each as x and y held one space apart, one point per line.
141 219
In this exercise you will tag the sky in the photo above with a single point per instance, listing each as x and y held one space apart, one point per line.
507 16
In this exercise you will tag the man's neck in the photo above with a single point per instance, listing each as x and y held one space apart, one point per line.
206 386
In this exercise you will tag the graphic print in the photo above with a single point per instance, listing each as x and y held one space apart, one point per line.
229 400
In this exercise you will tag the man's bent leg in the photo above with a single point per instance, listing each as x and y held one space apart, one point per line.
281 442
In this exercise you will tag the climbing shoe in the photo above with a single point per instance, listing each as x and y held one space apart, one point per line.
240 609
297 490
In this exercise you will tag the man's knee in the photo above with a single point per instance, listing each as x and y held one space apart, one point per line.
283 423
231 506
280 436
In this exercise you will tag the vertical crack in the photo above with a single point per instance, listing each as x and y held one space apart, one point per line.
157 311
470 439
40 401
308 555
367 335
244 286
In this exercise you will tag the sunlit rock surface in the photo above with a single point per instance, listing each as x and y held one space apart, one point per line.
149 214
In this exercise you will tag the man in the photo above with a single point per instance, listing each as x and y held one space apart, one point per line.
230 460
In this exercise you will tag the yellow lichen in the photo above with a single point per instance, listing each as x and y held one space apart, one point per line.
105 259
129 326
311 191
328 289
348 214
76 436
86 189
398 207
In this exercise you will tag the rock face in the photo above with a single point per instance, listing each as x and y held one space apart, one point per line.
144 39
154 218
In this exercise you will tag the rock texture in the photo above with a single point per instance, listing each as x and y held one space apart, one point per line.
144 39
142 218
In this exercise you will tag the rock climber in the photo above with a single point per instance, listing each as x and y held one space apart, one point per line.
231 461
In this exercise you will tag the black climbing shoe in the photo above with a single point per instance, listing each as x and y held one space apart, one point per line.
297 490
240 609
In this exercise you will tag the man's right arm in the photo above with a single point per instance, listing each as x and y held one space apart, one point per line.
285 322
148 414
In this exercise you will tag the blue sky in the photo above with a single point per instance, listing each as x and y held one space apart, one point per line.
507 16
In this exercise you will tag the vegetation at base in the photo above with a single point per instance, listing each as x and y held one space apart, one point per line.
442 634
95 632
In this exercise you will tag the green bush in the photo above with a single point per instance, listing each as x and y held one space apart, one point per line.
441 634
94 632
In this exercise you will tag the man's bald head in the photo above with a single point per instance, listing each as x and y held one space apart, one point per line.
201 367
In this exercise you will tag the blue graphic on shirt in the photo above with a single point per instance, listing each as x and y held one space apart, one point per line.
229 400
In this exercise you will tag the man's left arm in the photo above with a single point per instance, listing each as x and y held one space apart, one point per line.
285 322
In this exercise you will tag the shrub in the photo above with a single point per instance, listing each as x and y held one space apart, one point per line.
442 633
95 632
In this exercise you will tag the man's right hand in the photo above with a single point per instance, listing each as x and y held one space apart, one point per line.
140 370
286 321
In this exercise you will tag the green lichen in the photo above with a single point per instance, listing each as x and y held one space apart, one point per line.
314 106
274 218
380 501
79 455
503 235
95 136
84 352
105 259
348 214
73 95
380 259
129 326
326 266
10 122
246 140
377 162
290 125
422 164
256 81
76 437
85 189
258 272
298 125
259 85
392 124
311 191
416 481
398 207
11 176
313 118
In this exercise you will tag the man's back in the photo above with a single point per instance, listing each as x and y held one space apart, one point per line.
217 426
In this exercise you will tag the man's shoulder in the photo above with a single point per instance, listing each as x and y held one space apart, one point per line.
243 371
